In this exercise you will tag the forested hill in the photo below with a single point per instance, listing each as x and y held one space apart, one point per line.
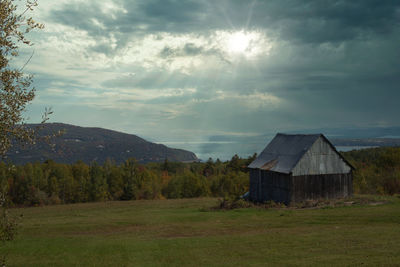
93 144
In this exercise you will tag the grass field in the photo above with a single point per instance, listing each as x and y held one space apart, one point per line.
181 233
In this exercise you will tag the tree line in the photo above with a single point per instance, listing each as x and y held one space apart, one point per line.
377 171
55 183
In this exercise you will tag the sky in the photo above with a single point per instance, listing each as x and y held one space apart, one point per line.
187 71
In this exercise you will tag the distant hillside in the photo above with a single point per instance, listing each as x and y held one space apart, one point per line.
94 144
379 142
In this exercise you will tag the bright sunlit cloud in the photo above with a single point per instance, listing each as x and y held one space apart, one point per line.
239 42
245 43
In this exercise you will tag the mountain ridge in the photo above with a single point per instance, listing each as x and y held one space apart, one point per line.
93 144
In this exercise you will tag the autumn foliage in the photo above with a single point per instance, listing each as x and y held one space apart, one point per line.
55 183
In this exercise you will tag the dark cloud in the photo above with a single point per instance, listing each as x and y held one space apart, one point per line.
316 21
190 50
297 21
172 11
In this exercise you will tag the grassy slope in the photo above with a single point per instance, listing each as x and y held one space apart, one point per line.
178 233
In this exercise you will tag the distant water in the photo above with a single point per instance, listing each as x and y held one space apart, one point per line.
225 150
349 148
222 150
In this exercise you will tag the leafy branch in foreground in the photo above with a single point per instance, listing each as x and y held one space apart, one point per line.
16 89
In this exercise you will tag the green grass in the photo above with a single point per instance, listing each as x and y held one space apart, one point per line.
180 233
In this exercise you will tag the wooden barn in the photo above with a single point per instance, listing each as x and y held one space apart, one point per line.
298 167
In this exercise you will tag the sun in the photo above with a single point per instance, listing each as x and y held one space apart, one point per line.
239 42
242 44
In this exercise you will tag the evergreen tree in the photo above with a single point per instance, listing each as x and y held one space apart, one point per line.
128 177
98 184
113 176
81 174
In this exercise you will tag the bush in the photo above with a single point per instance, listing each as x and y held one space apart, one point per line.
233 203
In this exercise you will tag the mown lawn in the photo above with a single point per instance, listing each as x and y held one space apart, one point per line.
181 233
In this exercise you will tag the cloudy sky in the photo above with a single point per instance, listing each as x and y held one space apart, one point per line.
187 70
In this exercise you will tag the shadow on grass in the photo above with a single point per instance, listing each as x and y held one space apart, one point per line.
231 203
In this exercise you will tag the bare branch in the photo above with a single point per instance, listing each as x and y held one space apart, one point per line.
29 59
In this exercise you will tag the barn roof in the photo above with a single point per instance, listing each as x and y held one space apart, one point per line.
285 150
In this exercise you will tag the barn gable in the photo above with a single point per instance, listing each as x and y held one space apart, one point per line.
321 158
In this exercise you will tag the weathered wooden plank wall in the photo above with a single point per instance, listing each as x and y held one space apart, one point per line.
326 186
284 188
267 185
254 187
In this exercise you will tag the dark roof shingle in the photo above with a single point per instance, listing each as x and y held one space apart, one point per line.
284 151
